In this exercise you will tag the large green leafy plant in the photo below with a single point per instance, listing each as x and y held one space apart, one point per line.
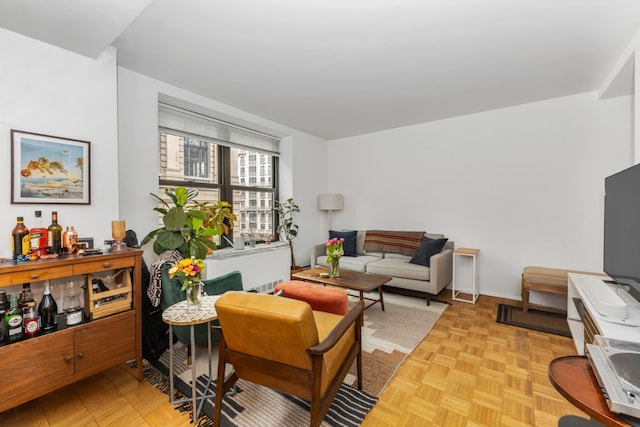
286 227
189 225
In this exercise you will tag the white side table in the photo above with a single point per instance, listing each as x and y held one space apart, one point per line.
469 252
178 314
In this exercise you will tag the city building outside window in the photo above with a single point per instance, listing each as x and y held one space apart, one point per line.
199 162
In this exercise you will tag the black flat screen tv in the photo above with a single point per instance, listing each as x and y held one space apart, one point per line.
622 228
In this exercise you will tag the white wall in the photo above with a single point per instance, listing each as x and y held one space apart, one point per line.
523 184
52 91
303 172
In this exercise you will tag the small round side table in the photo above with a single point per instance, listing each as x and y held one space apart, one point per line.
178 314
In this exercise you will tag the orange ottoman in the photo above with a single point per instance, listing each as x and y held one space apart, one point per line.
319 297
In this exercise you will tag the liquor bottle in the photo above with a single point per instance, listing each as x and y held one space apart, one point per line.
30 321
20 241
70 240
13 320
48 310
4 307
54 234
26 297
4 303
38 236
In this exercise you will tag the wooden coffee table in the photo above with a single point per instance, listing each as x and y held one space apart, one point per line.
353 280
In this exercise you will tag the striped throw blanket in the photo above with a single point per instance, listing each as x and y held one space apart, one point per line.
399 242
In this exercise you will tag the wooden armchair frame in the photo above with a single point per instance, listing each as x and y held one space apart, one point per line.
305 384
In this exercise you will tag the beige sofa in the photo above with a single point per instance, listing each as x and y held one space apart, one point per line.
405 275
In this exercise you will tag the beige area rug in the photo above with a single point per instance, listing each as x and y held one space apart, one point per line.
387 339
389 336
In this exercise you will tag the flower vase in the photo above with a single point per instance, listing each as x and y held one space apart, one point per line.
194 293
334 267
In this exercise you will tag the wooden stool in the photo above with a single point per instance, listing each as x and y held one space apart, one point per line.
543 279
320 298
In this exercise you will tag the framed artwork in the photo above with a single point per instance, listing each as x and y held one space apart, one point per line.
49 169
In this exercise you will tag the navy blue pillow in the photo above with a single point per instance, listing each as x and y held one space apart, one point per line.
349 245
428 248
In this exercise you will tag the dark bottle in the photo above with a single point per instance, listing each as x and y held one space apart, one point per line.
13 320
54 235
30 321
38 236
26 297
4 307
20 241
4 303
48 310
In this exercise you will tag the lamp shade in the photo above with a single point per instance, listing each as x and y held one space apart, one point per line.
330 202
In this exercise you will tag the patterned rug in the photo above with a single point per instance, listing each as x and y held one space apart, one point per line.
387 339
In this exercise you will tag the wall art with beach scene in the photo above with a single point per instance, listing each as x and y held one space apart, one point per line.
49 169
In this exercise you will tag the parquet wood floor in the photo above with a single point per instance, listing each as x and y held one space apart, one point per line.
472 371
468 371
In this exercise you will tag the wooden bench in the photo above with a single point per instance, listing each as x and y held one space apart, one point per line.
545 279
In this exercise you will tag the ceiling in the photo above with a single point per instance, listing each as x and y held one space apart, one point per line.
337 68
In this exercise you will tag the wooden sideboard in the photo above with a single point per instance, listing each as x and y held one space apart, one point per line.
42 364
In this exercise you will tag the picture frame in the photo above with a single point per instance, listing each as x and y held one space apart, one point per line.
49 169
87 241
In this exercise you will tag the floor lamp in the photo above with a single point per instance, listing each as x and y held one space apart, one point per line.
330 202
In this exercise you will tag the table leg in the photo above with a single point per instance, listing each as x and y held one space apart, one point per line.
362 301
209 344
206 387
194 398
453 280
171 363
381 298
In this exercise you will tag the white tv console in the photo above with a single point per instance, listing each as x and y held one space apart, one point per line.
596 307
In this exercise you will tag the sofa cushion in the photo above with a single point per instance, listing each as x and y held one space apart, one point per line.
349 245
360 242
398 268
427 249
401 257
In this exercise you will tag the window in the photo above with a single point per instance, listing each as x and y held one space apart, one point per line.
221 161
196 159
255 198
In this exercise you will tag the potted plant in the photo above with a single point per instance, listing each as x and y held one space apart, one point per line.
286 227
189 225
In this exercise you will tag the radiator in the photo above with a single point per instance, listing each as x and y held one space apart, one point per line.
262 267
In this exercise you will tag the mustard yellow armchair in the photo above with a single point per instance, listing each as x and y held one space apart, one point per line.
282 344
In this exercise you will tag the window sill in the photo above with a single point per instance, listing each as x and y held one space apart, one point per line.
227 253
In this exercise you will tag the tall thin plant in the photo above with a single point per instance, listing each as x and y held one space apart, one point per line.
287 229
